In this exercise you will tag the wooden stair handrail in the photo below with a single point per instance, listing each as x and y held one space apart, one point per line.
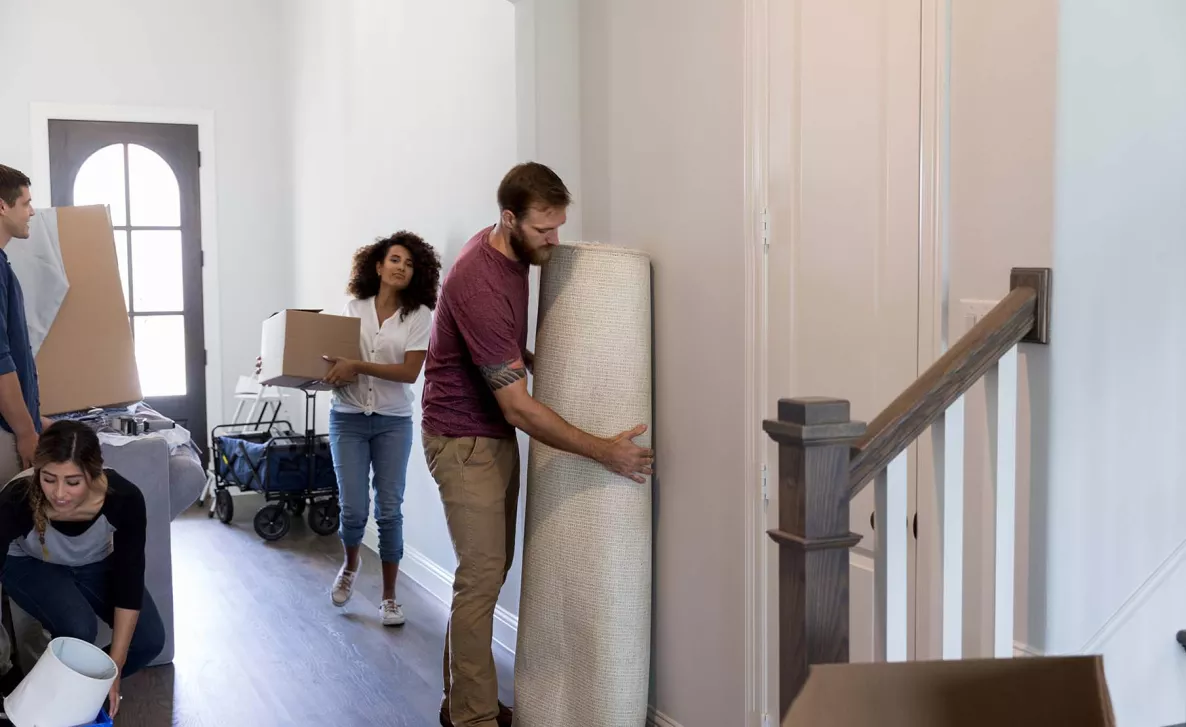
924 401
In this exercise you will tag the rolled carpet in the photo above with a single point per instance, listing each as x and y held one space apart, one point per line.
583 653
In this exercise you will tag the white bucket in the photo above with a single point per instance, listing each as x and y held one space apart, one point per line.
66 687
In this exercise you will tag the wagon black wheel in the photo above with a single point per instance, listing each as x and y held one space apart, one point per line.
323 517
296 508
272 522
224 506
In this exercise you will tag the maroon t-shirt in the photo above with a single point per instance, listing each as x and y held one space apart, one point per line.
481 320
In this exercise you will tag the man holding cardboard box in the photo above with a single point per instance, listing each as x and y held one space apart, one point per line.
20 418
475 397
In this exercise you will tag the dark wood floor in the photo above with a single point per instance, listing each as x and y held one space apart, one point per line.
260 645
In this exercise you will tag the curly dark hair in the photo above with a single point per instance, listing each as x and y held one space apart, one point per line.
426 271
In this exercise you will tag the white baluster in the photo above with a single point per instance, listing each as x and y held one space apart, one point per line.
950 453
1006 509
892 626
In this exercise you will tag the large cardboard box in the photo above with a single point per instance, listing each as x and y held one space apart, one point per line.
1024 692
88 358
295 342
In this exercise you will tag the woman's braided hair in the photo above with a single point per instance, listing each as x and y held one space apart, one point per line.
64 441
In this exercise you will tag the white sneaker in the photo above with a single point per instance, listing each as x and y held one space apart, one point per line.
343 587
392 613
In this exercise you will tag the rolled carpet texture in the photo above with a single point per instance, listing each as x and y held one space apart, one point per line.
583 653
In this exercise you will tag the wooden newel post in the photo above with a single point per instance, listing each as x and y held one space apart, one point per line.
815 437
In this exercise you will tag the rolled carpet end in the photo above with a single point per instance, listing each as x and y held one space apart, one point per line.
583 653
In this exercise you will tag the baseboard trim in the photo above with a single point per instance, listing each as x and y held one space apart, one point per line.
1020 649
1134 603
430 576
655 718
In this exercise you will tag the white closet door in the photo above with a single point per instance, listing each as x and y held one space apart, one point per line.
844 206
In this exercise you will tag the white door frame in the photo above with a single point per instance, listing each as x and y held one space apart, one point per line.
759 470
934 294
525 59
39 117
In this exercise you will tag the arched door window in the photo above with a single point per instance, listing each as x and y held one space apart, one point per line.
141 190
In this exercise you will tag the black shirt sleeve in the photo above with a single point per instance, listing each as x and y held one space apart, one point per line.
16 519
125 510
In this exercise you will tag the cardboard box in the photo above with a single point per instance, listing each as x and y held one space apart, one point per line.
294 342
88 358
1024 692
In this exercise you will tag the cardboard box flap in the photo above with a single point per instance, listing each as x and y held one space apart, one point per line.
1024 692
298 310
88 358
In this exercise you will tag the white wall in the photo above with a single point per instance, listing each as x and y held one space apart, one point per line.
662 171
1068 148
404 117
219 56
1117 480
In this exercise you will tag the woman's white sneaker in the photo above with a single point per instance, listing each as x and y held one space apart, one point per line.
343 587
392 613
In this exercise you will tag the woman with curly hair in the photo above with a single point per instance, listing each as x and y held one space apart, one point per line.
393 286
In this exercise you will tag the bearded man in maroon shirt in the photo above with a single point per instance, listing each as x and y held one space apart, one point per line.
475 397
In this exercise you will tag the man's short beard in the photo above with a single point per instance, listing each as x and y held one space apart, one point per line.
539 256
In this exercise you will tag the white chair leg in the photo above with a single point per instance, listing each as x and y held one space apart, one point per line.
208 490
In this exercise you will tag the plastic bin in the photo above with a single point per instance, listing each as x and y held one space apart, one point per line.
101 721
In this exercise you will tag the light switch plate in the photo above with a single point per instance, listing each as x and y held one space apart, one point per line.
971 311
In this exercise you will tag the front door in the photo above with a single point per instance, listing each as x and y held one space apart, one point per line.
147 174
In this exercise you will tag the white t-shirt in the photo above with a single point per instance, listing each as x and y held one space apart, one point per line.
384 344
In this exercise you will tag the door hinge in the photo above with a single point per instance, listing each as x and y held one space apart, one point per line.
199 158
765 230
765 486
201 258
205 357
766 720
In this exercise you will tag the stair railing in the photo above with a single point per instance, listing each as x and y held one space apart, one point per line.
826 459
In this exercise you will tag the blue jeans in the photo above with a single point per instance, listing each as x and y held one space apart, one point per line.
67 599
362 444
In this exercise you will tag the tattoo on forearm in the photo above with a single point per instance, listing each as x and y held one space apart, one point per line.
504 374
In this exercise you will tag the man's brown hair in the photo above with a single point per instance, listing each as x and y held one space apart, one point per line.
12 182
531 184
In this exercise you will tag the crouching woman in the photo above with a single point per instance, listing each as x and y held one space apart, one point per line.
72 538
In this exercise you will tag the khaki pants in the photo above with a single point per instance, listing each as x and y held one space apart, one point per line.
479 483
